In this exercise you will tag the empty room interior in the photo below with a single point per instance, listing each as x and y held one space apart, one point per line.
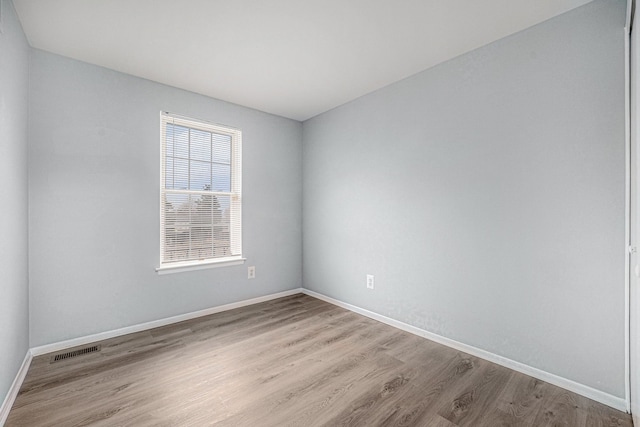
319 213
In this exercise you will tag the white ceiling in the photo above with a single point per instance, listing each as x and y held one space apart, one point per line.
293 58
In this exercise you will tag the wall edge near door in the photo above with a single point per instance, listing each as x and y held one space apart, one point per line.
15 388
578 388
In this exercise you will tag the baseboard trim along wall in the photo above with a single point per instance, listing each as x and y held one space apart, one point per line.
63 345
581 389
15 388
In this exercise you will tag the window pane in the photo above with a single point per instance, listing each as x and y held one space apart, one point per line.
168 173
181 141
169 139
221 177
200 176
177 209
180 174
217 209
202 209
200 148
221 148
221 226
221 212
221 241
176 227
201 242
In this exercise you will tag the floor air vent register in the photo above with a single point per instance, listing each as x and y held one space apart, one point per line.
75 353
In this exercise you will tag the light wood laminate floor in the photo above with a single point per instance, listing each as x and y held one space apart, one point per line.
294 361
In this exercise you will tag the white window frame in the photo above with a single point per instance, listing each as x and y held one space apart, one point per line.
235 195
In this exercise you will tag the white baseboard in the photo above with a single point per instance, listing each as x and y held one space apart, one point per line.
49 348
15 388
581 389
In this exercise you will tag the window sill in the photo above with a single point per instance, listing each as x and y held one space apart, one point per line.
180 267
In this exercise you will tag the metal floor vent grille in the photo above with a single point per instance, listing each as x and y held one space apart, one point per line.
74 353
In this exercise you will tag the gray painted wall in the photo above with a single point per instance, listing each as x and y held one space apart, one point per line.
486 195
14 279
94 170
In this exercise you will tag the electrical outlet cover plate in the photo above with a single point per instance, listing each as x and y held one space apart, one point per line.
369 281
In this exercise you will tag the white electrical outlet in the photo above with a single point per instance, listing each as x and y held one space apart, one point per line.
252 272
369 281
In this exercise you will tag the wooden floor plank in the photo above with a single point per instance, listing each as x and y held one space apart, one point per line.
294 361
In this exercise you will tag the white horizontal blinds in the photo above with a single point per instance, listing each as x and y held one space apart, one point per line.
201 191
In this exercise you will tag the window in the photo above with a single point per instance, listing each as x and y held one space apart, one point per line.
200 197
